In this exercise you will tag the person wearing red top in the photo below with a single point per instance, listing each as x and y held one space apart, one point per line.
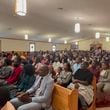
15 76
17 71
95 69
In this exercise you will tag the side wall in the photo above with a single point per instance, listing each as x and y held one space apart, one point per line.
22 45
85 44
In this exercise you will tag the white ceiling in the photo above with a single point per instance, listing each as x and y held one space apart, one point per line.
45 20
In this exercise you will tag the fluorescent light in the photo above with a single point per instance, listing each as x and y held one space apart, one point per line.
21 7
26 37
49 40
77 28
54 48
107 39
76 43
65 42
97 35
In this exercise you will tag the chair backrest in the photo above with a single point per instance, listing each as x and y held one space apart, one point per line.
93 105
64 99
8 106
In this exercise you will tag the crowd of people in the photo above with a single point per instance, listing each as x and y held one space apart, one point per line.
30 77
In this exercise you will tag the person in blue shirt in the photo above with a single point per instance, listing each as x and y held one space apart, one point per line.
77 65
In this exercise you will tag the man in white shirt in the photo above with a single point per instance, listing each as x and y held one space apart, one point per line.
77 65
39 96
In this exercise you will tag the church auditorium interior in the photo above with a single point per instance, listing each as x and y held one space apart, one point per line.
54 55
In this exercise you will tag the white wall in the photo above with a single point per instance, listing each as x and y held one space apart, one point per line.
63 46
22 45
85 44
15 45
43 46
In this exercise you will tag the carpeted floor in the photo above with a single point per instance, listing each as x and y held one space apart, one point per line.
107 108
103 103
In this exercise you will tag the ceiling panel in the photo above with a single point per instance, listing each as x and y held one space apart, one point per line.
44 19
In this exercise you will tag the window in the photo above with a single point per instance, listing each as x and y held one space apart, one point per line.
54 48
32 47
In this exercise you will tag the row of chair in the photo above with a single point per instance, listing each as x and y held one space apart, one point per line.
64 99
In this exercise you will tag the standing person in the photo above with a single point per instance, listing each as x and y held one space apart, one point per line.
42 90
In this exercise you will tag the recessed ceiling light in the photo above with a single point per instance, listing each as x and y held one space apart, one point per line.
65 42
26 36
77 28
90 24
97 35
77 18
60 8
9 28
49 40
107 39
76 43
53 47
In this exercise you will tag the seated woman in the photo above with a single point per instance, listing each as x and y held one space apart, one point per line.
51 71
82 80
26 80
6 70
103 85
95 69
64 78
56 64
4 97
58 71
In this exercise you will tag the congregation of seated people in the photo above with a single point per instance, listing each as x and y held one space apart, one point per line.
30 78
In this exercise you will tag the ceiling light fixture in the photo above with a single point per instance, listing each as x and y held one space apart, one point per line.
26 37
54 48
97 35
49 40
60 8
21 7
107 39
77 28
76 43
65 42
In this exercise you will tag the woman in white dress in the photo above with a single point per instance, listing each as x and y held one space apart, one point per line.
103 85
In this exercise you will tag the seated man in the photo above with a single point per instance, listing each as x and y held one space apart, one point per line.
4 97
39 96
82 80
